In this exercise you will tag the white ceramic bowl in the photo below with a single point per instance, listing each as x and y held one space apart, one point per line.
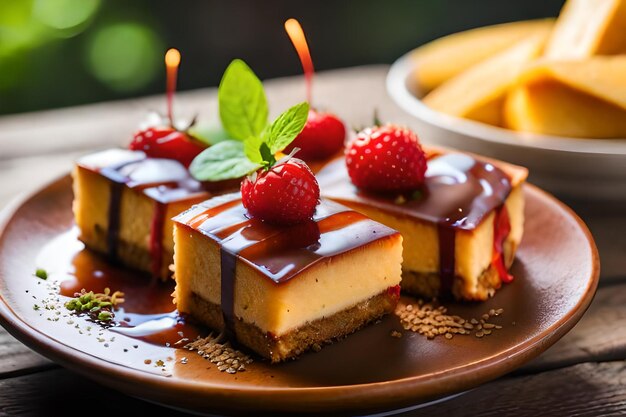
588 169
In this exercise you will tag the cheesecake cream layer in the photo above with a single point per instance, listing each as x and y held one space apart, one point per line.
461 201
124 203
282 277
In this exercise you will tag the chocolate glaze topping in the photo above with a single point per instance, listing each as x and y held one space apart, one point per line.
459 192
163 180
280 253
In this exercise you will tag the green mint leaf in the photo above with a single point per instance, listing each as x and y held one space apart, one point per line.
209 134
252 149
286 127
268 156
258 152
242 102
222 161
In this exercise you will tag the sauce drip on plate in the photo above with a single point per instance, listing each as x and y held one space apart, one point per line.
147 313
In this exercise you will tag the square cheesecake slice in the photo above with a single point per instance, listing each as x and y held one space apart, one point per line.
123 205
460 231
280 290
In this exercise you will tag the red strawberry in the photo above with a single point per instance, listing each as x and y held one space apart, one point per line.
285 194
386 159
166 142
322 136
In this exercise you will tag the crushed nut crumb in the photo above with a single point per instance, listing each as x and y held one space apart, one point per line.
431 320
221 354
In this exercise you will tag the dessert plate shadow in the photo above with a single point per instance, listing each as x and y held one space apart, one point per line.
370 371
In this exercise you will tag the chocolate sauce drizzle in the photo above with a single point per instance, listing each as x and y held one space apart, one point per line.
447 261
228 265
156 237
459 192
113 230
279 253
163 180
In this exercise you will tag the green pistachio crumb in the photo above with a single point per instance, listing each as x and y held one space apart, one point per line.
105 316
99 306
41 273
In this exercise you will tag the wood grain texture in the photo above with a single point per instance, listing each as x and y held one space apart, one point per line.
61 393
589 389
599 336
17 359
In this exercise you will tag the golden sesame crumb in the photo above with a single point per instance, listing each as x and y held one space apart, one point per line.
221 354
431 320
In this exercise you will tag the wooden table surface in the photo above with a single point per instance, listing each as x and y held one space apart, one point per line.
583 374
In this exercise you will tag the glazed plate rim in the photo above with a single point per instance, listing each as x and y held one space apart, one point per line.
376 395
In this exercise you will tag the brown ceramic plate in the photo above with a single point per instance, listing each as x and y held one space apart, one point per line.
556 276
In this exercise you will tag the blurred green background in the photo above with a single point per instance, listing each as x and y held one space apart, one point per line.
56 53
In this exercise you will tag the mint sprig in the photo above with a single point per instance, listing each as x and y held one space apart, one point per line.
222 161
255 144
286 127
277 136
242 101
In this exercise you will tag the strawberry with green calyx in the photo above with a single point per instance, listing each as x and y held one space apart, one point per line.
161 138
254 149
167 142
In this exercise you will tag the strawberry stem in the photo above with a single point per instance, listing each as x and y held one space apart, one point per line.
377 121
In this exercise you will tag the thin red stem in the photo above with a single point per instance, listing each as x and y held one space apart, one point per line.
171 88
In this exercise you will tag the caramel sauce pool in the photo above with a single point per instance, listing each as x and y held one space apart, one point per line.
147 314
